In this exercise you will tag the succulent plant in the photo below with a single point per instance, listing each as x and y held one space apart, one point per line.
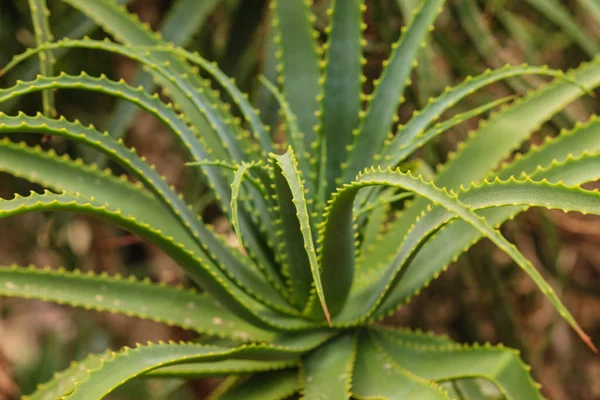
295 308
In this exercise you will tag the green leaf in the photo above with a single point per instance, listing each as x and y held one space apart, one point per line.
178 27
362 305
295 136
378 378
299 63
160 303
201 270
404 151
573 143
187 136
277 385
63 382
219 368
60 173
242 173
553 156
342 88
164 112
130 363
149 218
421 119
380 115
494 141
327 372
437 254
39 15
425 137
295 220
200 102
239 98
240 269
428 78
499 365
505 130
128 29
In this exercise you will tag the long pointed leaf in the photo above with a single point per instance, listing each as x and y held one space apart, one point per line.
114 369
342 88
212 277
286 168
557 166
499 365
415 238
299 62
493 141
178 27
39 15
134 298
380 115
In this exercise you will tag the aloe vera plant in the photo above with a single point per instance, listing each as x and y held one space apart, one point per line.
294 310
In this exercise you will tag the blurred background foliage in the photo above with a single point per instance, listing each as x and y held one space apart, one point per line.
484 297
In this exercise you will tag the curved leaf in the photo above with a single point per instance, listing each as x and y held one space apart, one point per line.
188 136
400 154
285 167
295 265
160 303
584 138
374 378
499 365
127 28
219 368
201 270
380 115
505 130
63 382
130 363
452 95
363 305
179 26
437 254
238 268
494 140
241 99
181 84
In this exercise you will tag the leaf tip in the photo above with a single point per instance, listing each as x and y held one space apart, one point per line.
326 312
586 339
